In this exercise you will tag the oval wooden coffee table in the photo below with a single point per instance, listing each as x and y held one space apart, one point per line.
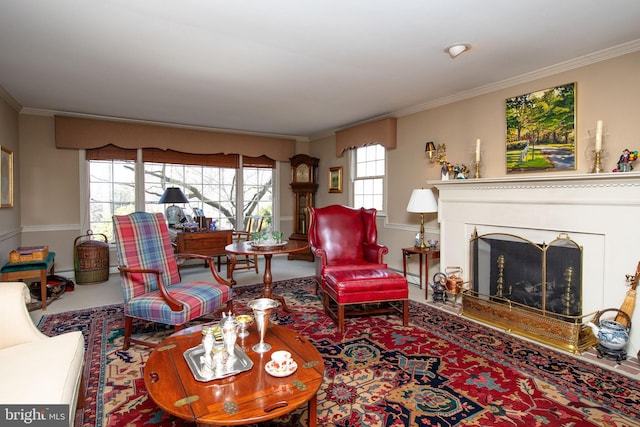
248 397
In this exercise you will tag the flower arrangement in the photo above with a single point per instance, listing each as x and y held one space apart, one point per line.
460 171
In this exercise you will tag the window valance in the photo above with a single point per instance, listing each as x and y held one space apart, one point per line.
111 152
84 133
179 158
381 132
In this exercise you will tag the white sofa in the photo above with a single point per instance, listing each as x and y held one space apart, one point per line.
36 369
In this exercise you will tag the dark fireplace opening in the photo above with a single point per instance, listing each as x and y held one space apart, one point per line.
546 277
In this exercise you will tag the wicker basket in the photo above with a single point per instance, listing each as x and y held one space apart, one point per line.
91 259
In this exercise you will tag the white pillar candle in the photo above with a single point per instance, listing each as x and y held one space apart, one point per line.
477 150
599 135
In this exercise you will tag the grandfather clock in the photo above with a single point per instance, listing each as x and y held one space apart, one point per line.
304 184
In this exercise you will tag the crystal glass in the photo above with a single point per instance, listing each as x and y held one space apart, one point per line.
262 308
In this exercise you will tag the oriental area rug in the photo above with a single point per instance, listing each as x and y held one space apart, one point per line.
442 370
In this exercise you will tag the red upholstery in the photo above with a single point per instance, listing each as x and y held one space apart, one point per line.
349 265
370 286
365 286
344 238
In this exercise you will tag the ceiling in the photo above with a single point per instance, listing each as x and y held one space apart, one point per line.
289 67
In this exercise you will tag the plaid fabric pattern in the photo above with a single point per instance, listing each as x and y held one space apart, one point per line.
142 241
199 298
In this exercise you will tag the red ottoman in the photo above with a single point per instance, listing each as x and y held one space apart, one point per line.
368 288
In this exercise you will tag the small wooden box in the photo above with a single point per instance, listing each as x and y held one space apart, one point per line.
29 253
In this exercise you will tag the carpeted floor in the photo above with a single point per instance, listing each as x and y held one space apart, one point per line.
443 370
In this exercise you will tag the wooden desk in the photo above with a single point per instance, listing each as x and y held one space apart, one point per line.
209 243
245 398
428 254
20 271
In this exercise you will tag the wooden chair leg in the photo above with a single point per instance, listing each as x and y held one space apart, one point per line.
128 330
340 318
405 313
325 302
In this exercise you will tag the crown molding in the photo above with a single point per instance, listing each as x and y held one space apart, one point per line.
582 61
10 100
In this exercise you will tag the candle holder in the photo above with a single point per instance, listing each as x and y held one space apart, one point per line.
477 170
596 139
597 162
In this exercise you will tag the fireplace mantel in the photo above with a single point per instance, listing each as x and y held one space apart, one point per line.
599 211
631 179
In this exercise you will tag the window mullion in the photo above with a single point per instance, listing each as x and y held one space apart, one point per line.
140 183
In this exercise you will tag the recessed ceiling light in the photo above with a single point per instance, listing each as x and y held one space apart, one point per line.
457 49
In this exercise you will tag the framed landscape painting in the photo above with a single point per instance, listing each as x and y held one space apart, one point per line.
541 130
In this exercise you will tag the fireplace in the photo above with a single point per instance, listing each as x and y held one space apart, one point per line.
544 276
534 289
597 212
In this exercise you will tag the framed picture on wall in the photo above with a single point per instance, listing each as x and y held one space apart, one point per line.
6 177
335 180
541 130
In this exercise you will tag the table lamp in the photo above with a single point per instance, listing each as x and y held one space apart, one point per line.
173 195
422 201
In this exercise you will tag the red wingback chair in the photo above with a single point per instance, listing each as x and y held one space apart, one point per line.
349 265
344 238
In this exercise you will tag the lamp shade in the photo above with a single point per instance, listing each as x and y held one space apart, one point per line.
173 195
430 147
422 201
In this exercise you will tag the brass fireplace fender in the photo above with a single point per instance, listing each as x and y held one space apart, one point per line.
567 333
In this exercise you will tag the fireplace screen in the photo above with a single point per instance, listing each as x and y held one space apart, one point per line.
545 277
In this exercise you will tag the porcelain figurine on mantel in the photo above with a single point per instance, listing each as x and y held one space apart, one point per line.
625 161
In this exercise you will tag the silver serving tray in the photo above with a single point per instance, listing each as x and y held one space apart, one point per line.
194 355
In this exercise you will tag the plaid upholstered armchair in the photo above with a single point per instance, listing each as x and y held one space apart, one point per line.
152 287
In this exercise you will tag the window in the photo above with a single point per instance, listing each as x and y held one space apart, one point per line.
210 189
258 195
112 192
368 184
214 189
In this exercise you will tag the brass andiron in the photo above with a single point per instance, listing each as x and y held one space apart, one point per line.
500 276
568 277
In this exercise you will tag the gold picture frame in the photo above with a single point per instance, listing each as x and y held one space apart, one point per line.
335 179
6 178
